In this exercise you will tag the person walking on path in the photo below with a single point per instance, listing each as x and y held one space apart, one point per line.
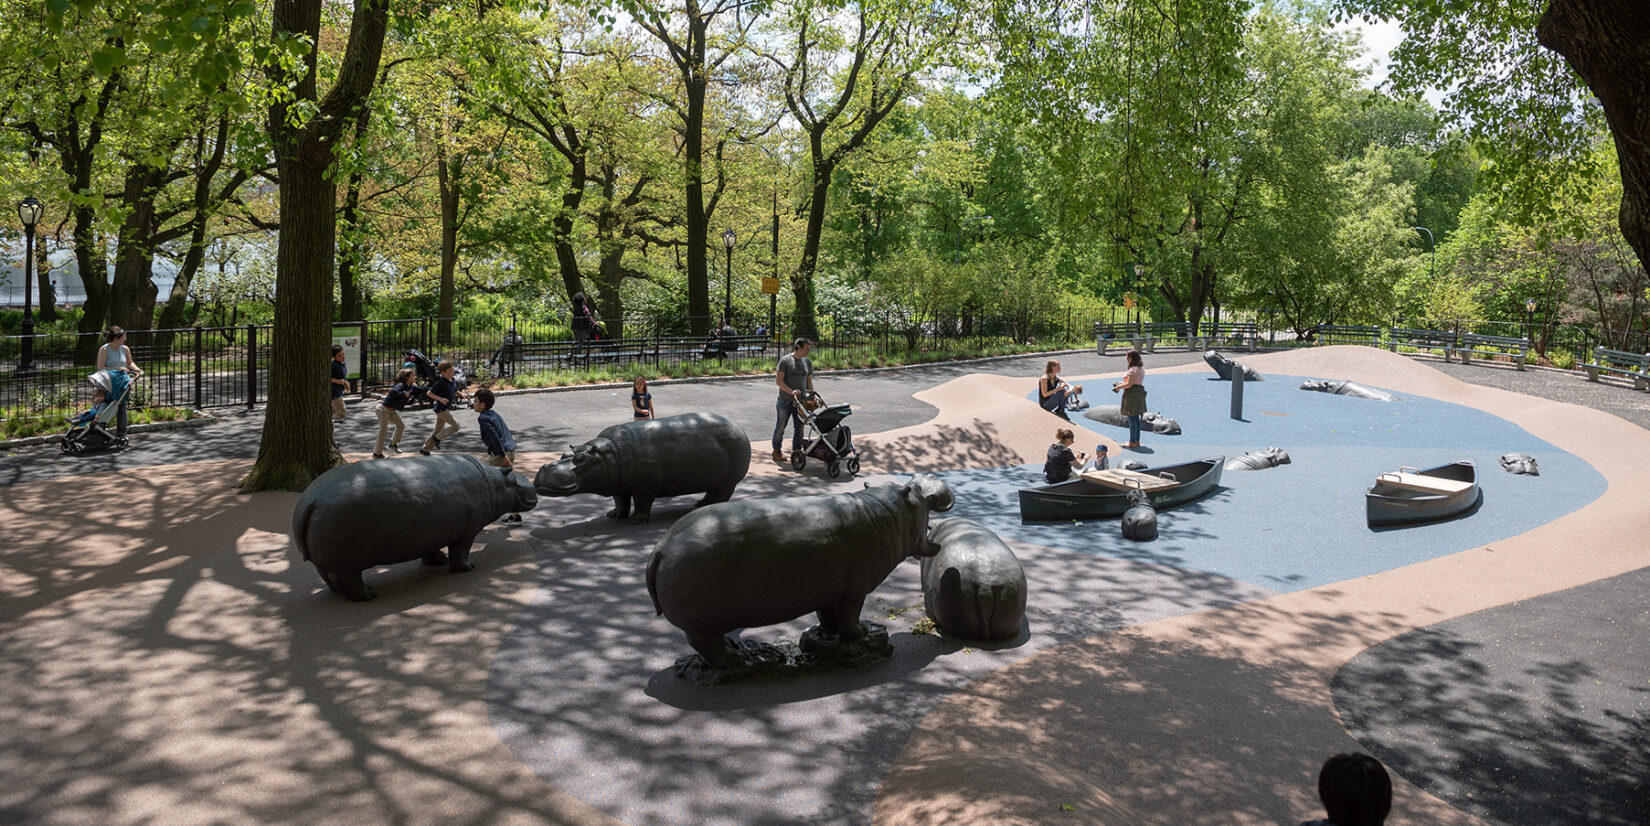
1133 404
115 356
495 434
389 411
444 393
1054 394
795 377
340 384
584 321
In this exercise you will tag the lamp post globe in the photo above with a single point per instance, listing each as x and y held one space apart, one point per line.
728 239
1529 317
28 211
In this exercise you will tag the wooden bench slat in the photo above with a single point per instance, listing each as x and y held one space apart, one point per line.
1430 484
1127 479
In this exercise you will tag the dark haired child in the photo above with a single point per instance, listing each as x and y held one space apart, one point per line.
495 434
444 394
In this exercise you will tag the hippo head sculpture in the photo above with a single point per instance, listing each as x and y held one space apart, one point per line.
587 467
521 493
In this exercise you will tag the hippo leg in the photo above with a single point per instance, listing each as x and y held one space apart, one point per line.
458 561
643 511
715 496
715 648
435 557
350 585
842 619
621 508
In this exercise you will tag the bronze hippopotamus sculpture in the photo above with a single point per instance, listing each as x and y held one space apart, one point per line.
362 515
759 562
643 461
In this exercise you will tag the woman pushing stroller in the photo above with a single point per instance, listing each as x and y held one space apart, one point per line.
115 357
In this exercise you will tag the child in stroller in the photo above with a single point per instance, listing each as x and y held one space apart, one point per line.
829 440
94 428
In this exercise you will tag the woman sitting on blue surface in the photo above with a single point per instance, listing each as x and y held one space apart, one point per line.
1060 458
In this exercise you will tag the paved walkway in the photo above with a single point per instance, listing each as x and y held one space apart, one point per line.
169 663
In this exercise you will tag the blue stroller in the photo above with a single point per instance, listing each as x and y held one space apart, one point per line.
95 428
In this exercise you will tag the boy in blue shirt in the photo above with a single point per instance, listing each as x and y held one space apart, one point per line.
495 434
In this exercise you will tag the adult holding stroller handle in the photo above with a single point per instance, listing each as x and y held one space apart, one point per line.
115 356
795 377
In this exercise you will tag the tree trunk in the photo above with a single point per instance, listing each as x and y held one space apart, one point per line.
93 267
693 146
1606 42
43 282
132 297
349 292
171 315
802 283
449 170
297 444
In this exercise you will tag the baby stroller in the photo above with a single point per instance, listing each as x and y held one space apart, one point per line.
828 439
95 427
427 376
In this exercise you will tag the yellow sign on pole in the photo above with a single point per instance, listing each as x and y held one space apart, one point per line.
1128 302
770 285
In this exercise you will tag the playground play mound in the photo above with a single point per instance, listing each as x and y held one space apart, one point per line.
166 657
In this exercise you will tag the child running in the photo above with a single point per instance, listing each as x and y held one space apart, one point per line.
495 434
641 401
444 393
389 411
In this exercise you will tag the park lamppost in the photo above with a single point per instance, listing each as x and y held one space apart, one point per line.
29 212
728 239
1432 246
1139 292
1529 319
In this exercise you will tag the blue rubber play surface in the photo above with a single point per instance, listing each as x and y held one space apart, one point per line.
1299 525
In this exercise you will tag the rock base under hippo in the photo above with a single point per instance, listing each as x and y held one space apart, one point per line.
817 652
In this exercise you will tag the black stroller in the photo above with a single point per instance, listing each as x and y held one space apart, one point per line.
427 376
95 427
828 439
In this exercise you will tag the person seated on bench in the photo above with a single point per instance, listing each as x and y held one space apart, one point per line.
722 341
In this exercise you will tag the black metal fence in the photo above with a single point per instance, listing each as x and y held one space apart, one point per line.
221 367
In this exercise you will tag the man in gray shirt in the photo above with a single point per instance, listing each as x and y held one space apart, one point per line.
795 377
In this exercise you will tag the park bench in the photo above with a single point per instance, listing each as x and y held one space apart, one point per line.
1635 366
1445 340
1233 333
1472 344
741 347
1347 334
1107 335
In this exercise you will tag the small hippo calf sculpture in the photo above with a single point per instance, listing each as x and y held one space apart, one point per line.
1259 459
1223 366
1520 463
1153 422
1343 387
759 562
1140 520
974 588
366 514
643 461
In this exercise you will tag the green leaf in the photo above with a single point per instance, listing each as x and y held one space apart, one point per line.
105 61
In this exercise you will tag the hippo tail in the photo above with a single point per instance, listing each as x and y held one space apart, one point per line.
300 525
653 582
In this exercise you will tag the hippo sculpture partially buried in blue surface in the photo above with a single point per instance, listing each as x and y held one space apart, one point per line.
760 562
643 461
975 587
365 514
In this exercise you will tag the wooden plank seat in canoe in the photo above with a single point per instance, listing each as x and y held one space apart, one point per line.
1129 479
1430 484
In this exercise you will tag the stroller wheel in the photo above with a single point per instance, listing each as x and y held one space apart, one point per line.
799 460
853 466
120 443
66 446
76 448
833 469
